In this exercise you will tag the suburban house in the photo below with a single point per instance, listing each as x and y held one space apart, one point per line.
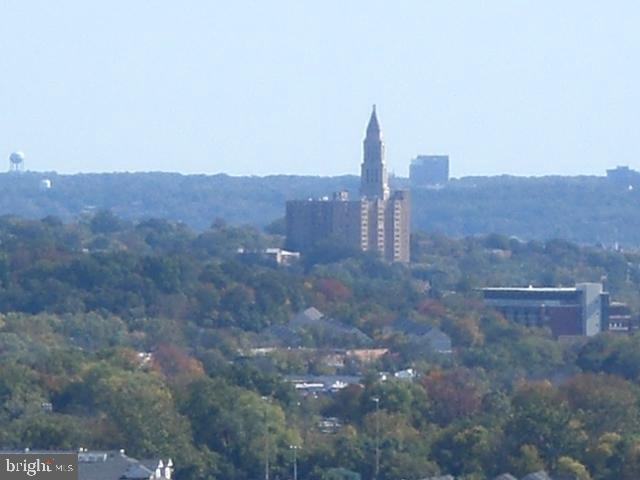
424 336
111 465
116 465
314 323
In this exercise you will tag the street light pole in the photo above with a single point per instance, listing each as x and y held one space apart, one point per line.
377 467
295 460
266 456
266 438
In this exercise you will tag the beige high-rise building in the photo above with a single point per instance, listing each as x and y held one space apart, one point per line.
379 221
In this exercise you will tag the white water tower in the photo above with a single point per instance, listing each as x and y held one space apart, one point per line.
16 162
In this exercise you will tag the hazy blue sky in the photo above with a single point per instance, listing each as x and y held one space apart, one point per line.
260 87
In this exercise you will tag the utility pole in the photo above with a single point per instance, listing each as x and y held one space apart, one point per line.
377 467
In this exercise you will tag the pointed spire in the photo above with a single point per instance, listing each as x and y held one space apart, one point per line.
373 171
374 126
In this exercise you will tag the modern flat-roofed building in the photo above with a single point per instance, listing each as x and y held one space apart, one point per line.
619 319
623 176
577 311
429 170
378 221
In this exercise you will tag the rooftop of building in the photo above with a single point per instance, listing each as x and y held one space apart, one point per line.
113 465
529 289
109 465
422 159
532 289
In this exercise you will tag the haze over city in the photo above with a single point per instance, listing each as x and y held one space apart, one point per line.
285 87
339 240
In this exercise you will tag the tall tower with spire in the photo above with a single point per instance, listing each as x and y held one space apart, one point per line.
374 181
378 221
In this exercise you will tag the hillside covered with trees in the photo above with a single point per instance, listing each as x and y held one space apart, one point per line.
118 334
586 210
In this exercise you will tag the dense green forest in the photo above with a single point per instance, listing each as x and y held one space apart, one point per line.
586 210
120 334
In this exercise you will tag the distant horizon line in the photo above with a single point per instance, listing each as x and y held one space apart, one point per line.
204 174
